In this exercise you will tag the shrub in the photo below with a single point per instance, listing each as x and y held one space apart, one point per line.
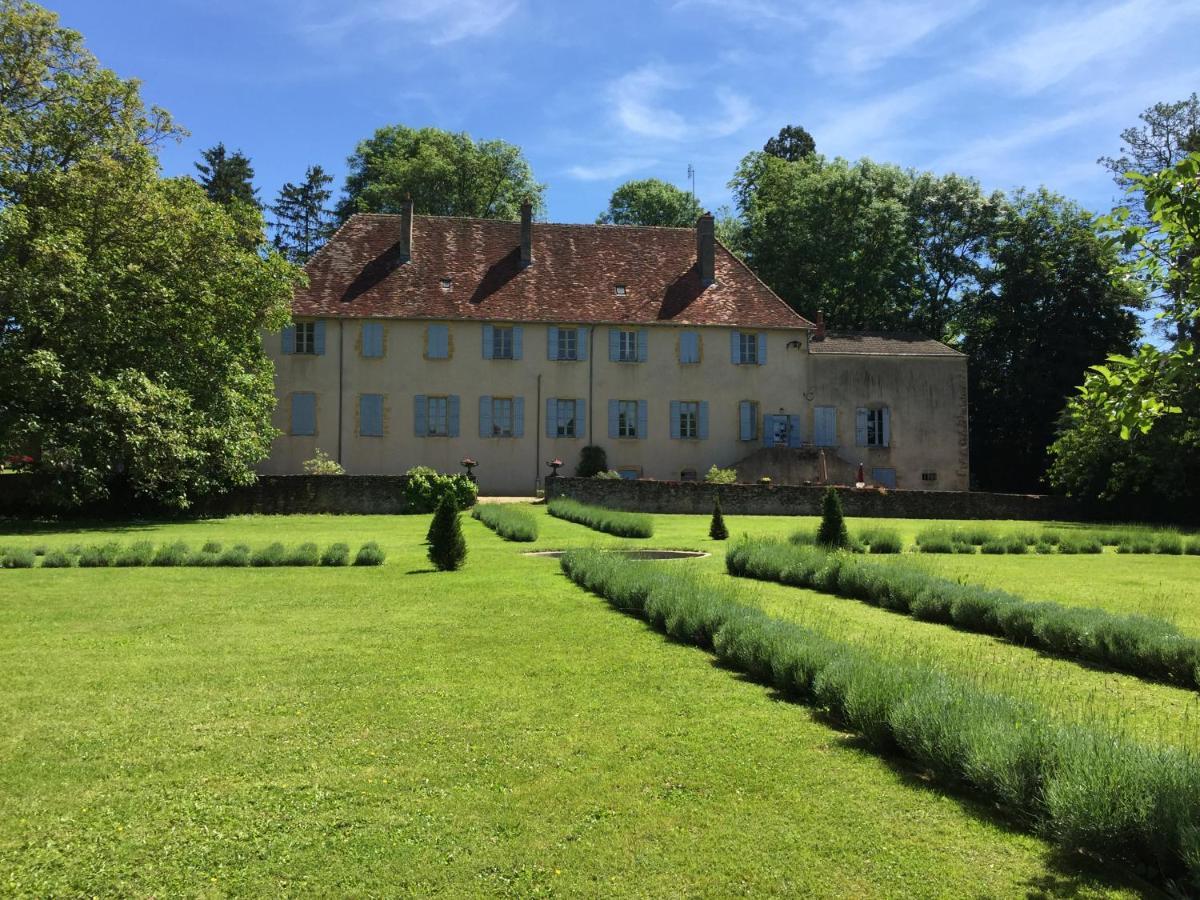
323 464
1168 542
370 554
447 546
996 545
511 522
935 542
599 518
175 554
592 461
235 556
211 547
720 476
881 540
424 487
98 555
271 555
1043 547
336 555
1136 544
716 527
57 559
137 554
39 549
307 554
17 558
832 533
609 475
1193 546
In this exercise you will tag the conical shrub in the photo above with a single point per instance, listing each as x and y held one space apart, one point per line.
832 533
447 546
716 528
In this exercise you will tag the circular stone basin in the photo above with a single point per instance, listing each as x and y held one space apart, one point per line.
631 554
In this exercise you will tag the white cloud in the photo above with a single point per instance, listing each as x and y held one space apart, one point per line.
431 21
639 106
855 129
615 168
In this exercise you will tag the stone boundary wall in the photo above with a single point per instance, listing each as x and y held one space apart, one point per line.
805 500
269 495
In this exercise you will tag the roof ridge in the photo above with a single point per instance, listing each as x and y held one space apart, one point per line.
518 222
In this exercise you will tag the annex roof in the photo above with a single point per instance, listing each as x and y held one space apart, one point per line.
877 344
464 268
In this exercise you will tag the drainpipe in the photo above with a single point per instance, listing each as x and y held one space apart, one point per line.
537 438
591 370
341 373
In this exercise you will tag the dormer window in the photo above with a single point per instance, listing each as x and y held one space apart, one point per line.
447 283
619 290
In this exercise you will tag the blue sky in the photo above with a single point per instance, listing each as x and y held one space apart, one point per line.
1015 93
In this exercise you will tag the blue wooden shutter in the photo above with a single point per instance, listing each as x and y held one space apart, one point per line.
580 418
675 419
613 417
551 417
746 421
420 418
614 344
372 339
642 423
581 339
795 435
518 341
452 416
735 348
689 347
304 414
552 342
439 342
485 417
370 415
487 341
762 348
289 339
887 430
860 427
643 345
824 426
319 338
768 435
518 417
702 424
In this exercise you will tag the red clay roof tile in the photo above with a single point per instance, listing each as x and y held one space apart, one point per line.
575 269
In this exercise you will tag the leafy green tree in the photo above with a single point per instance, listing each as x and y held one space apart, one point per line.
1049 305
303 221
444 173
792 143
131 307
651 201
226 176
832 533
447 546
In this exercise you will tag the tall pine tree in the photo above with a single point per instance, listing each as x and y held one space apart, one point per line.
227 176
302 221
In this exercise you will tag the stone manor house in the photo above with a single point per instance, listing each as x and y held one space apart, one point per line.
422 340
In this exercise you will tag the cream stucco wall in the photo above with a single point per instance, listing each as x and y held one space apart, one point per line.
515 465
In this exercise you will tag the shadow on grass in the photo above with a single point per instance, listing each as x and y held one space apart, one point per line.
429 571
13 527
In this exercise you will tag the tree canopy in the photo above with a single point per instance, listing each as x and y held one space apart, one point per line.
444 173
303 220
792 143
227 176
131 359
651 201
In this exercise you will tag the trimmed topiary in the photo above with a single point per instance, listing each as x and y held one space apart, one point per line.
56 559
171 555
716 528
336 555
307 554
17 558
270 555
371 554
832 534
592 461
447 546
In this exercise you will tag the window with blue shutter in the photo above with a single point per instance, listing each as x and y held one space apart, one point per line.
626 418
497 417
626 345
567 344
452 416
485 417
581 340
761 349
421 415
643 419
319 338
873 427
370 415
552 342
689 347
518 338
304 414
702 421
488 348
372 340
500 342
288 339
436 416
689 419
795 432
565 418
747 420
748 349
437 342
518 417
886 477
302 338
825 426
860 427
676 406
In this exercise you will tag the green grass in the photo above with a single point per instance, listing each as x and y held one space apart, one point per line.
511 521
393 730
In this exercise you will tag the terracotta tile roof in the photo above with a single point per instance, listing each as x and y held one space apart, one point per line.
572 278
876 344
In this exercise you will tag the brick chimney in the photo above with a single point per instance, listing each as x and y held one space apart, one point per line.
819 334
526 233
706 249
406 222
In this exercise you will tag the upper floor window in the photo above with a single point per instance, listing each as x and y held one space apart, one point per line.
306 337
304 413
749 348
873 427
502 342
370 415
565 343
627 346
568 343
372 339
689 347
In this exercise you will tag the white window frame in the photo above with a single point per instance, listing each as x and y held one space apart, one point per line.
566 412
689 414
875 427
627 419
568 344
627 346
748 348
437 408
502 342
306 338
502 411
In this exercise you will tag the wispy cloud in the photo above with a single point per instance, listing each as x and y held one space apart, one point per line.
430 21
640 106
854 128
606 171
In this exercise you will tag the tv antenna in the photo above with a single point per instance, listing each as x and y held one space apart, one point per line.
692 176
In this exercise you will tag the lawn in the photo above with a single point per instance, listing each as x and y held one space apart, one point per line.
495 731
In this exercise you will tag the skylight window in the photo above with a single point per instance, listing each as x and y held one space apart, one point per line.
447 283
619 290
